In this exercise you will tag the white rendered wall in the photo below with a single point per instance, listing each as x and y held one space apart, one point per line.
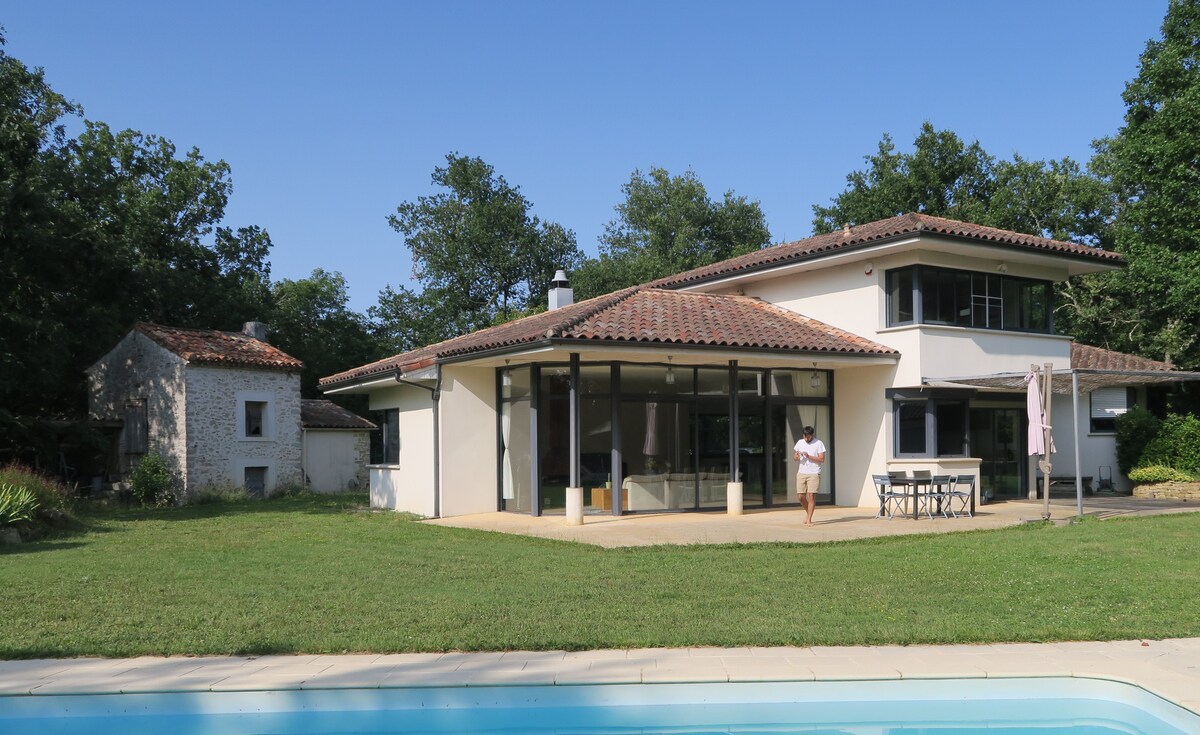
409 485
468 426
1095 450
335 459
860 436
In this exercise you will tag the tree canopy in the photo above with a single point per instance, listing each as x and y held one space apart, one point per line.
665 225
1153 165
946 177
478 253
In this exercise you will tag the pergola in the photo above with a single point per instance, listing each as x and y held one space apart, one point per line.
1082 379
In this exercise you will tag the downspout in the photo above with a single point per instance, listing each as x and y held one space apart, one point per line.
435 394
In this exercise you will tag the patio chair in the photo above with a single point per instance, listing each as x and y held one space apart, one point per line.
962 492
939 492
890 498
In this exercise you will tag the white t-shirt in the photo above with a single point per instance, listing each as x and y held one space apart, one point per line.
814 447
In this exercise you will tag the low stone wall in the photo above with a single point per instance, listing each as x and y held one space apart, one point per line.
1173 490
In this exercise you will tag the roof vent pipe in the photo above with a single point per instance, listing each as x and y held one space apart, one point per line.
560 291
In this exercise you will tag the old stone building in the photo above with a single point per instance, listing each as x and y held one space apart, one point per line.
223 408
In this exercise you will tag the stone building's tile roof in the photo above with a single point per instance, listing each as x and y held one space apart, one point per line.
318 413
642 315
872 233
214 347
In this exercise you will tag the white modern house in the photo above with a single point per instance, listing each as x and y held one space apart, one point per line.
904 342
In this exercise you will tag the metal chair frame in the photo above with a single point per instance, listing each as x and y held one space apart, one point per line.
889 497
963 496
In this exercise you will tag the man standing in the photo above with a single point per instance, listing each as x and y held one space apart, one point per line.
810 453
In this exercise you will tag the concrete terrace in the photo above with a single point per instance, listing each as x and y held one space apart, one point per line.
831 523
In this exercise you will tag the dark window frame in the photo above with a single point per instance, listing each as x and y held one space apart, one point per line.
952 297
929 404
385 444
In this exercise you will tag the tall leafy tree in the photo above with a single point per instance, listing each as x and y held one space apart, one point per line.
1153 164
668 224
311 320
477 250
97 231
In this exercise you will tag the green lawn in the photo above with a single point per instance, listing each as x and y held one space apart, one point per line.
310 574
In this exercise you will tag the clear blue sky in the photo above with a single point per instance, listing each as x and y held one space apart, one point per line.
330 114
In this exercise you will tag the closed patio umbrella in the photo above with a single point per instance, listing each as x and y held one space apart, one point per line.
1037 407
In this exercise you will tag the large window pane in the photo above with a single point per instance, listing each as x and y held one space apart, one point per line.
514 382
950 418
655 379
900 296
712 381
515 478
800 383
910 428
657 455
595 379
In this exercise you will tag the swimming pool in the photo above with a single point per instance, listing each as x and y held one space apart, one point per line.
912 707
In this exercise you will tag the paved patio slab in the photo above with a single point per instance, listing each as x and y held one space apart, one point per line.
831 523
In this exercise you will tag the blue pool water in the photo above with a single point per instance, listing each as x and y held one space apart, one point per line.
910 707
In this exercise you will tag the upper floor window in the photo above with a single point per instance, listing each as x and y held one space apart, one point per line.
921 294
256 415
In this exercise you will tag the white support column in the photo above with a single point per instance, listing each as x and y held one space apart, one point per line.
733 498
574 506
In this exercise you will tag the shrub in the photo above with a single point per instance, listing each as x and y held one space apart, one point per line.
1159 473
17 503
152 482
1136 428
1177 444
49 492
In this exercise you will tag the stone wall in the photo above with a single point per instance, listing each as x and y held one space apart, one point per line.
1173 490
217 450
139 369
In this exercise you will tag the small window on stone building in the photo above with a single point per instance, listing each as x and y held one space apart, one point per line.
256 415
256 412
255 481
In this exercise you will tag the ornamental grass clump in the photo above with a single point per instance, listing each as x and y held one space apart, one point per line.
17 504
49 492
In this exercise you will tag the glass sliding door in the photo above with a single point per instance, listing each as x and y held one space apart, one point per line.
554 437
787 423
998 439
799 398
657 455
516 474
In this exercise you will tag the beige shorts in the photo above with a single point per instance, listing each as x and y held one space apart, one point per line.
807 483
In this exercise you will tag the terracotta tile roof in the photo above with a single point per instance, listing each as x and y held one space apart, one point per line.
872 233
1086 357
647 316
214 347
318 413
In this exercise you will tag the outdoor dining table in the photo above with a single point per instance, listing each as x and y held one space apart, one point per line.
912 486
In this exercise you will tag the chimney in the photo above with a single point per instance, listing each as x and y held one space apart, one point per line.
255 330
560 291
